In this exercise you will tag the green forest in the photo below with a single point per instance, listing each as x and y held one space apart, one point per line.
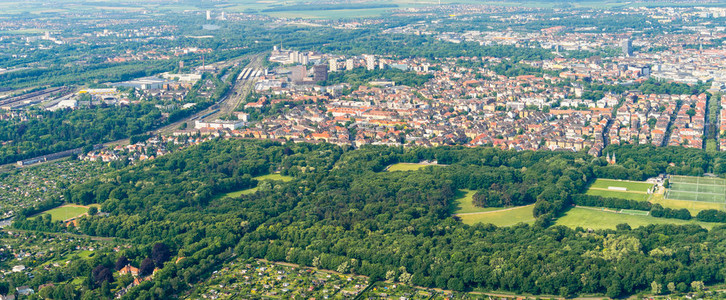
341 209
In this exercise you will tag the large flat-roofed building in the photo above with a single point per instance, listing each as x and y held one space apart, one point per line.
627 46
320 73
298 73
370 62
333 63
146 83
220 124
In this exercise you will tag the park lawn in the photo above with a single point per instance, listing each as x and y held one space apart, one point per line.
693 206
463 203
274 176
65 212
598 219
636 186
616 194
502 217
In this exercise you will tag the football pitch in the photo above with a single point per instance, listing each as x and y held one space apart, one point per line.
703 189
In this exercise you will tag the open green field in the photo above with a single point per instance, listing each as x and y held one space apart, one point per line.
632 186
617 194
693 206
503 217
239 193
274 177
598 219
407 167
463 203
65 212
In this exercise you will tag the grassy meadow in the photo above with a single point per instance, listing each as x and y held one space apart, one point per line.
598 219
501 217
66 212
618 194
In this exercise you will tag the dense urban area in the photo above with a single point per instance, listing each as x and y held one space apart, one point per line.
221 149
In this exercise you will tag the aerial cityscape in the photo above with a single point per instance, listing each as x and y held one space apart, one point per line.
414 149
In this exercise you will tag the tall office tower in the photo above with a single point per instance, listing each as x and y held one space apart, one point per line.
298 73
320 73
304 58
209 15
627 45
370 62
333 64
381 64
295 56
349 64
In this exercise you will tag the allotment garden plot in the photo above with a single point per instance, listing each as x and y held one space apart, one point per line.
703 189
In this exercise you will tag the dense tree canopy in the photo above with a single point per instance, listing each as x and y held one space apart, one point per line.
340 209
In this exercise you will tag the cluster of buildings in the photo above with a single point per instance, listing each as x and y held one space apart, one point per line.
470 106
642 119
151 148
687 128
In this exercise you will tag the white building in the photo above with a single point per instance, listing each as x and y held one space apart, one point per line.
370 62
219 124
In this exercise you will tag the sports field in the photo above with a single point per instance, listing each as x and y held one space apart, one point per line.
623 189
630 186
502 217
701 189
596 218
